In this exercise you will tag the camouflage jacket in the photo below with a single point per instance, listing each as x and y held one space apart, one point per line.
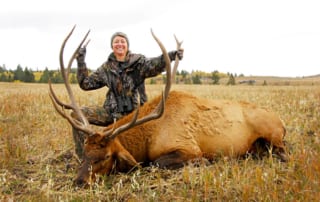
123 79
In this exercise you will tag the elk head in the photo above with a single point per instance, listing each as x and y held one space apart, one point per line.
102 149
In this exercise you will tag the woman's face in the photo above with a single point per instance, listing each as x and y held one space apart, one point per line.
119 46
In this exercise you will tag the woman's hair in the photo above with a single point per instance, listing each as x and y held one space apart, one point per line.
120 34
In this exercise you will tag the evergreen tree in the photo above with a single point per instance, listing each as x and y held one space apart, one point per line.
184 74
231 80
3 77
2 68
28 75
45 76
18 74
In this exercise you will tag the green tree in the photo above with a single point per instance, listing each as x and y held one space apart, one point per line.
187 80
196 79
231 80
3 68
215 77
73 78
164 78
45 76
184 74
3 77
28 75
18 74
10 76
56 77
152 81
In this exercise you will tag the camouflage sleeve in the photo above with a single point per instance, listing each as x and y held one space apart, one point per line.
92 81
153 66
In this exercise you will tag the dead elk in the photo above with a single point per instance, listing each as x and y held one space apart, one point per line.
171 130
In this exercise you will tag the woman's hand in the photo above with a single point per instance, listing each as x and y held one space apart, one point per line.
81 55
179 53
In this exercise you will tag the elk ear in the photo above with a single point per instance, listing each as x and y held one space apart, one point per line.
95 138
125 160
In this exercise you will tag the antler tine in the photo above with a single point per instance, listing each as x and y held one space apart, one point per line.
62 68
176 61
168 65
82 124
65 75
73 122
55 97
157 113
75 53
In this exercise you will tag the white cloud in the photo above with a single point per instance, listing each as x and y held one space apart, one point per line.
276 37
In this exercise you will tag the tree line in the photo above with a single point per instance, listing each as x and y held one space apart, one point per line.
29 76
182 77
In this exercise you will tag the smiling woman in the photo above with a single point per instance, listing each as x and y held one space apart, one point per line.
120 45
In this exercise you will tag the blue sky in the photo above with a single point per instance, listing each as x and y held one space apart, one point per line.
253 37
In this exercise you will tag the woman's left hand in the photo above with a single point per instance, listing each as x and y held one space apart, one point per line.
180 53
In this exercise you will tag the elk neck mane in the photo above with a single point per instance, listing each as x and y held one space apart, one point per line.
173 100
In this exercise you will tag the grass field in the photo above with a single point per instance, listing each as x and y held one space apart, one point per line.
37 155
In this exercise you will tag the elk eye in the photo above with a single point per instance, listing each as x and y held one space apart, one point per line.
96 161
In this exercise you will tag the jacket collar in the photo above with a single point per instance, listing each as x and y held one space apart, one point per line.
129 60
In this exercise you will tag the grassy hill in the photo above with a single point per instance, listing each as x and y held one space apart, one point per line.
278 81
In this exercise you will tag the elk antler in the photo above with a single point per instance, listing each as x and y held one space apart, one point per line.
83 123
176 61
158 111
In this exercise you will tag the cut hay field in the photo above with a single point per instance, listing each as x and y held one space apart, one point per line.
37 161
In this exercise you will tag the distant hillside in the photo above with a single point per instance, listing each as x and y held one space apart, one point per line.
273 80
313 76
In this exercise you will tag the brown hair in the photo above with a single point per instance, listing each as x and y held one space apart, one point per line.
120 34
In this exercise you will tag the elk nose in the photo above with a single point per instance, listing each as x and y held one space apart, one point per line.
80 182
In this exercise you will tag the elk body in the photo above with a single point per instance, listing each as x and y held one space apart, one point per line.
190 128
171 130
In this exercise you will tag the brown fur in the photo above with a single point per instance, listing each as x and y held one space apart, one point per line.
190 128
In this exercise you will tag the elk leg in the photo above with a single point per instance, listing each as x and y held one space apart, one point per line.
174 160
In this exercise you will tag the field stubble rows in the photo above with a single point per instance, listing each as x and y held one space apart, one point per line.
37 160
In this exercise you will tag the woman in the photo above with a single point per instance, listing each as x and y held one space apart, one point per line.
124 74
